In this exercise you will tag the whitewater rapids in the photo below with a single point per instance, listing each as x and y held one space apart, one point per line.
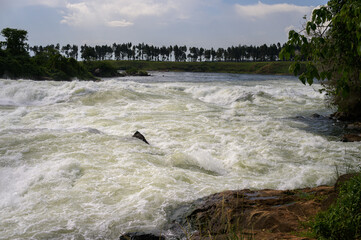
69 168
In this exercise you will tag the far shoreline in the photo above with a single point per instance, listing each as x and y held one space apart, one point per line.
247 67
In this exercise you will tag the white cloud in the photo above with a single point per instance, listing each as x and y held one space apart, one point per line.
261 10
21 3
121 23
108 12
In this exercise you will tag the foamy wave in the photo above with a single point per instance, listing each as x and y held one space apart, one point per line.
227 95
198 160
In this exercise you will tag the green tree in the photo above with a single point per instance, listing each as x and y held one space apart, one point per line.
15 41
331 45
88 53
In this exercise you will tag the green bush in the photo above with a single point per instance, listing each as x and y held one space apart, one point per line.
131 71
101 68
342 220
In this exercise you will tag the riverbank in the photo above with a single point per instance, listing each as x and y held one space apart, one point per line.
271 68
253 214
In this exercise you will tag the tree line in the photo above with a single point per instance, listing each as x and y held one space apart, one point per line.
47 62
19 60
145 52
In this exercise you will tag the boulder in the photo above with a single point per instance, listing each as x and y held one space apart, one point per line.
354 126
141 236
275 212
140 136
351 138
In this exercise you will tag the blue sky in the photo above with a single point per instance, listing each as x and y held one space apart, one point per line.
206 23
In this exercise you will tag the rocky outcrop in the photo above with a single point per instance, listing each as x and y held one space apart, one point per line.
354 132
248 214
265 214
354 126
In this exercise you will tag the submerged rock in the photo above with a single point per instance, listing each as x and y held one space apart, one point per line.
316 115
140 136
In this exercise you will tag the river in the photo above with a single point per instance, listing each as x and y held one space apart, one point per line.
70 169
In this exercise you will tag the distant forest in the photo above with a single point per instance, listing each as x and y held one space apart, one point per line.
19 60
128 51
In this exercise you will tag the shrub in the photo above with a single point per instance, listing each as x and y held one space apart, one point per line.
342 220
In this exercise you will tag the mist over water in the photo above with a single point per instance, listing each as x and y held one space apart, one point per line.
69 168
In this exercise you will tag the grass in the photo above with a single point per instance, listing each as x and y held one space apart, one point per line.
274 68
343 219
218 225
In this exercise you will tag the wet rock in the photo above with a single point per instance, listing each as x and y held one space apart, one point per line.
340 116
141 236
264 214
140 136
316 115
354 126
247 214
351 138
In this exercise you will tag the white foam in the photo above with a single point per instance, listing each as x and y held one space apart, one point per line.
70 168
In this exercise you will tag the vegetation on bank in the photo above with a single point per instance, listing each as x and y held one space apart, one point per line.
331 45
19 60
343 219
145 52
279 67
16 62
49 63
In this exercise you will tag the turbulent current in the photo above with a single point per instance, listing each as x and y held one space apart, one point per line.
70 169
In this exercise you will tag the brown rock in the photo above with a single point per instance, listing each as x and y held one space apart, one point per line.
265 214
246 214
354 126
351 138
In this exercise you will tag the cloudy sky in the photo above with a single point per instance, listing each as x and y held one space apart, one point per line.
201 23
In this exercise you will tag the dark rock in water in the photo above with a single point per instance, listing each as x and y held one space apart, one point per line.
354 126
316 115
351 138
300 117
141 236
140 136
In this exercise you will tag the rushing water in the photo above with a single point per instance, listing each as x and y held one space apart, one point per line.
69 168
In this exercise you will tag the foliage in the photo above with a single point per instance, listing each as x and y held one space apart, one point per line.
280 67
48 63
136 72
343 220
14 41
60 63
128 51
331 43
101 68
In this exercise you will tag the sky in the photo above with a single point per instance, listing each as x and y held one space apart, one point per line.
199 23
